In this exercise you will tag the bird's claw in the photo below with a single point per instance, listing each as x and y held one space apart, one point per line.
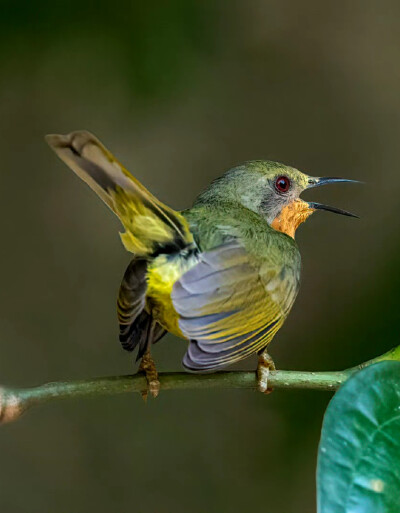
148 367
265 366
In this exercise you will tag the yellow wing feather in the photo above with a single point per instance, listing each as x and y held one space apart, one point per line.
230 307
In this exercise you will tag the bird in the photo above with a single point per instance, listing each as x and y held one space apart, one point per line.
223 274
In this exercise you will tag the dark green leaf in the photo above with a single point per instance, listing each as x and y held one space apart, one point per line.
359 453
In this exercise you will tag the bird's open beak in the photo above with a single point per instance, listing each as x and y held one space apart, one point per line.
320 206
316 182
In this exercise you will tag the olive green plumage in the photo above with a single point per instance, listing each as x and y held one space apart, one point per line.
223 274
238 300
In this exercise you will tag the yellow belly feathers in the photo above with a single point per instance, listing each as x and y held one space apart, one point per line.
162 273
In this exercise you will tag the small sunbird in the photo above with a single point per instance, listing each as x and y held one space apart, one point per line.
223 274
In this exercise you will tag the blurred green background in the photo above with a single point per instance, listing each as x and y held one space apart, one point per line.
181 91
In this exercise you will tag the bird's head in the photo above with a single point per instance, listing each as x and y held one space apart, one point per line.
273 191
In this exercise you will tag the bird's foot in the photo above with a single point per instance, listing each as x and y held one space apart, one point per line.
265 365
148 367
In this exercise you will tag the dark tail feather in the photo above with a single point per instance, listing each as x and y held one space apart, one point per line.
141 333
137 327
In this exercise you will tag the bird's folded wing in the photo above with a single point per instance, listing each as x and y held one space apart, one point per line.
230 307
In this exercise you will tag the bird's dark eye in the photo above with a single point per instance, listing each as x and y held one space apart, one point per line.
282 184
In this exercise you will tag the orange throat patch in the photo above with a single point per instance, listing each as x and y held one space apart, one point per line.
291 217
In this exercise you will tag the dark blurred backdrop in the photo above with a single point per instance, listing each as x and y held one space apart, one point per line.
181 91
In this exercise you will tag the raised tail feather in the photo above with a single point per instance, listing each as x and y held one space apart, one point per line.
150 226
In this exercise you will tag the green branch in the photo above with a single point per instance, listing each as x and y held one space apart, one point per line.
14 401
